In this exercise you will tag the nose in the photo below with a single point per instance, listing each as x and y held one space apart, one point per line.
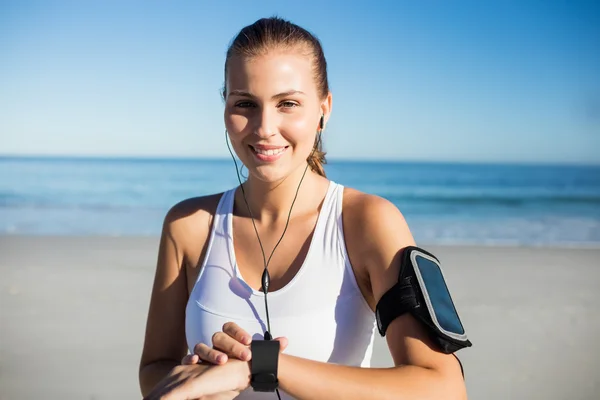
266 124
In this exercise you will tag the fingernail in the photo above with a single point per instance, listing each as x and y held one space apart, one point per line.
246 339
245 355
221 358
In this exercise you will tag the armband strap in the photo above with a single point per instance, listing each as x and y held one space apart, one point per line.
402 297
265 359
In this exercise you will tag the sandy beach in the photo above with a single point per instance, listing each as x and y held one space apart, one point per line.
72 318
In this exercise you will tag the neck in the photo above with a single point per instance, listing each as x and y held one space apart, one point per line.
270 202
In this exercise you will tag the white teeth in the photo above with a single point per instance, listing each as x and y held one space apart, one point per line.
271 152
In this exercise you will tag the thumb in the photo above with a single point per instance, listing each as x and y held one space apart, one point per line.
283 342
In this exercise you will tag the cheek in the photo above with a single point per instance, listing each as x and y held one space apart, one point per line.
236 124
298 129
297 121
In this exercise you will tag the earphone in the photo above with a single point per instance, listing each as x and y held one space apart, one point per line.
265 278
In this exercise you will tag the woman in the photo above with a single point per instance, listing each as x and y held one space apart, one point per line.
327 268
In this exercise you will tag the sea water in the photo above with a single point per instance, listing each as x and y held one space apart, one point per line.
442 203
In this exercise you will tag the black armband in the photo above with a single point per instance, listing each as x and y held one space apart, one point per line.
422 291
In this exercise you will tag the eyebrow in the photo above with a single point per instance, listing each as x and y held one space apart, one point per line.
274 97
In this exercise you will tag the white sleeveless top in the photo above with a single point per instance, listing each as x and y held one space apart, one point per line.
321 311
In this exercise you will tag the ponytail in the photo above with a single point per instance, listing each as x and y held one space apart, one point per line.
317 158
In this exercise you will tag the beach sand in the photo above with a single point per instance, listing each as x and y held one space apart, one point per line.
73 310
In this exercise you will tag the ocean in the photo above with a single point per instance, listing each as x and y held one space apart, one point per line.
443 203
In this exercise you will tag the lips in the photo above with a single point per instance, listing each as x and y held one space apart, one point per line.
268 152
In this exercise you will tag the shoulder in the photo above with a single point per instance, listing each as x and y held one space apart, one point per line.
367 206
375 231
187 223
192 209
375 220
192 213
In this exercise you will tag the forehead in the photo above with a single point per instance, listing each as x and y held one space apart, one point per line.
271 73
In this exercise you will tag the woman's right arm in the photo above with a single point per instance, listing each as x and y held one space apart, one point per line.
164 341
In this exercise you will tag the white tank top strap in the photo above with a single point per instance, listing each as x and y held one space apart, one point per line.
343 250
218 226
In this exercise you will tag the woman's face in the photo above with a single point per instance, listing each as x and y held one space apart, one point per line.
272 112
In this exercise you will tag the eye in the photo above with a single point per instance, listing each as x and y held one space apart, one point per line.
289 104
244 104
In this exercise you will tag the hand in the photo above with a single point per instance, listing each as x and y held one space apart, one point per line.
192 382
233 342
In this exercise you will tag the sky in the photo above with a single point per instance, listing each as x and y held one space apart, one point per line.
467 81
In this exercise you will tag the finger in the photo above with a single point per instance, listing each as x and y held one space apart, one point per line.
231 346
210 355
186 360
190 359
233 330
283 342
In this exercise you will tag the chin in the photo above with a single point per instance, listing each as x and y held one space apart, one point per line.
269 173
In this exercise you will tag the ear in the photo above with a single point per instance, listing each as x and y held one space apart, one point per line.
326 108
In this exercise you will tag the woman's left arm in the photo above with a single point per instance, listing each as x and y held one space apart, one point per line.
377 232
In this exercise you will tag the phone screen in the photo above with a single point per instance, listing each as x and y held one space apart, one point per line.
439 295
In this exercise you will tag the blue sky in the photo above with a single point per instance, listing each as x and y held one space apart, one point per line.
514 81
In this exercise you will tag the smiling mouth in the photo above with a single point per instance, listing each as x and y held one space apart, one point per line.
268 152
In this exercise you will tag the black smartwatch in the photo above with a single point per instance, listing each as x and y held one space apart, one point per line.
265 359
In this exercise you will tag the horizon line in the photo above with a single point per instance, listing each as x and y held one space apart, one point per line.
366 160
